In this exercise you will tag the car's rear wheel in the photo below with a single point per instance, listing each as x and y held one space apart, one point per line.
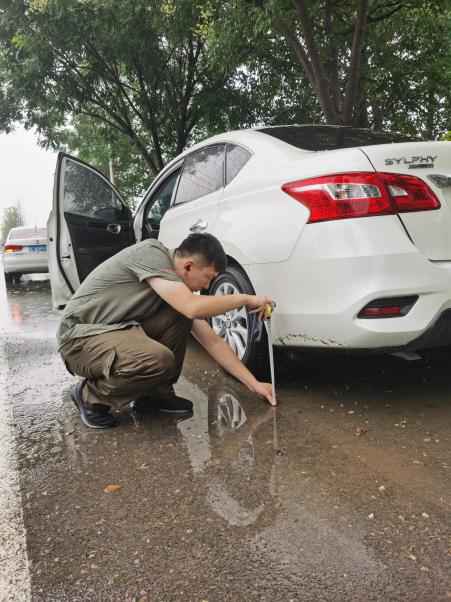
12 277
241 330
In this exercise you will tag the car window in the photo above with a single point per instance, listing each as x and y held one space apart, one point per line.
203 173
236 159
328 137
87 193
158 204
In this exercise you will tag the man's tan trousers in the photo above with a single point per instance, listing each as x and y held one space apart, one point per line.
126 364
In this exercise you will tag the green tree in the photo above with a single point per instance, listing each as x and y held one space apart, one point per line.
378 63
140 68
12 217
108 150
407 79
135 83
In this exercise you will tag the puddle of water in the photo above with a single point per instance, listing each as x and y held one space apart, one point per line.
26 307
231 443
295 483
14 576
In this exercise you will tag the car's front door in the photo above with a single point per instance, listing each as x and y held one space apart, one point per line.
155 204
195 206
89 223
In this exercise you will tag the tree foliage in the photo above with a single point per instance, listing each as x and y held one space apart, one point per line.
408 76
108 150
140 68
369 63
12 217
135 83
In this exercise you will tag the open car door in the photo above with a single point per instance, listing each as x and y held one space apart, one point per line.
89 223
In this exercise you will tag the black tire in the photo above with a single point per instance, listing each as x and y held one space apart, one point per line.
255 354
13 278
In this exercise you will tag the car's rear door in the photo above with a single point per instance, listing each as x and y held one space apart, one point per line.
195 205
89 223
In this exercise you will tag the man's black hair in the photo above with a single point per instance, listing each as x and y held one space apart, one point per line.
206 246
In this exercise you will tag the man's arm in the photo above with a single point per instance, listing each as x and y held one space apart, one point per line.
226 358
179 296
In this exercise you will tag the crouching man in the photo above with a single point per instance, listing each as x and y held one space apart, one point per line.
126 327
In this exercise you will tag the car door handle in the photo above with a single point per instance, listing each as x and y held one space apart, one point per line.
199 226
114 228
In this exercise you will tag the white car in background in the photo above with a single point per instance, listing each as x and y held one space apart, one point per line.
25 252
348 230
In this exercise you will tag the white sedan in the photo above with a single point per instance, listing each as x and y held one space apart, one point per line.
25 252
348 230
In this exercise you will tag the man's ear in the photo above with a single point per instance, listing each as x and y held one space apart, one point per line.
188 265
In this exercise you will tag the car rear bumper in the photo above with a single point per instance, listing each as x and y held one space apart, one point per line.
324 285
437 335
29 263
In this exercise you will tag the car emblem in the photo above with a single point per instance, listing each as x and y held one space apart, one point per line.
413 162
440 180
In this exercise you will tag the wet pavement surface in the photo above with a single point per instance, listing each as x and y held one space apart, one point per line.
343 493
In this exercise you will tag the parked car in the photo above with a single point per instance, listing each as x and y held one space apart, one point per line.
347 229
25 252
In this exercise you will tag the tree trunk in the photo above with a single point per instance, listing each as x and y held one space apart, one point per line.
431 108
352 87
338 105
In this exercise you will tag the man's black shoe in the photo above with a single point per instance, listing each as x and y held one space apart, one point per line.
94 416
175 405
171 405
143 405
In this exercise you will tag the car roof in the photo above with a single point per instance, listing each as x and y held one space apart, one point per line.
296 138
248 138
27 232
283 142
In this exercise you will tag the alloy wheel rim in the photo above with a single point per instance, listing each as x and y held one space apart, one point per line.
233 326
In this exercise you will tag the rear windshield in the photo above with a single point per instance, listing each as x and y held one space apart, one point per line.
329 137
27 233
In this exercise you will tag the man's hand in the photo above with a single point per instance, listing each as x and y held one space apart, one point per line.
264 390
257 304
226 358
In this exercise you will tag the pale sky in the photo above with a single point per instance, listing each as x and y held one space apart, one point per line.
26 176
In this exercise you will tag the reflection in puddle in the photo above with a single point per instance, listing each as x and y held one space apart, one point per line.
15 311
231 416
26 307
195 430
253 476
223 448
229 508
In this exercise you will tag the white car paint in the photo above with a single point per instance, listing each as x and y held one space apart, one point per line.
200 215
61 292
25 251
429 230
322 274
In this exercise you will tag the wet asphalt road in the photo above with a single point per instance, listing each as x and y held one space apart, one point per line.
341 494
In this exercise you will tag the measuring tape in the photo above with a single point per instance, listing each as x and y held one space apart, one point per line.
267 322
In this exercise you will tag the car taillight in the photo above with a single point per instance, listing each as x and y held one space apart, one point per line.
12 248
410 193
361 194
388 307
